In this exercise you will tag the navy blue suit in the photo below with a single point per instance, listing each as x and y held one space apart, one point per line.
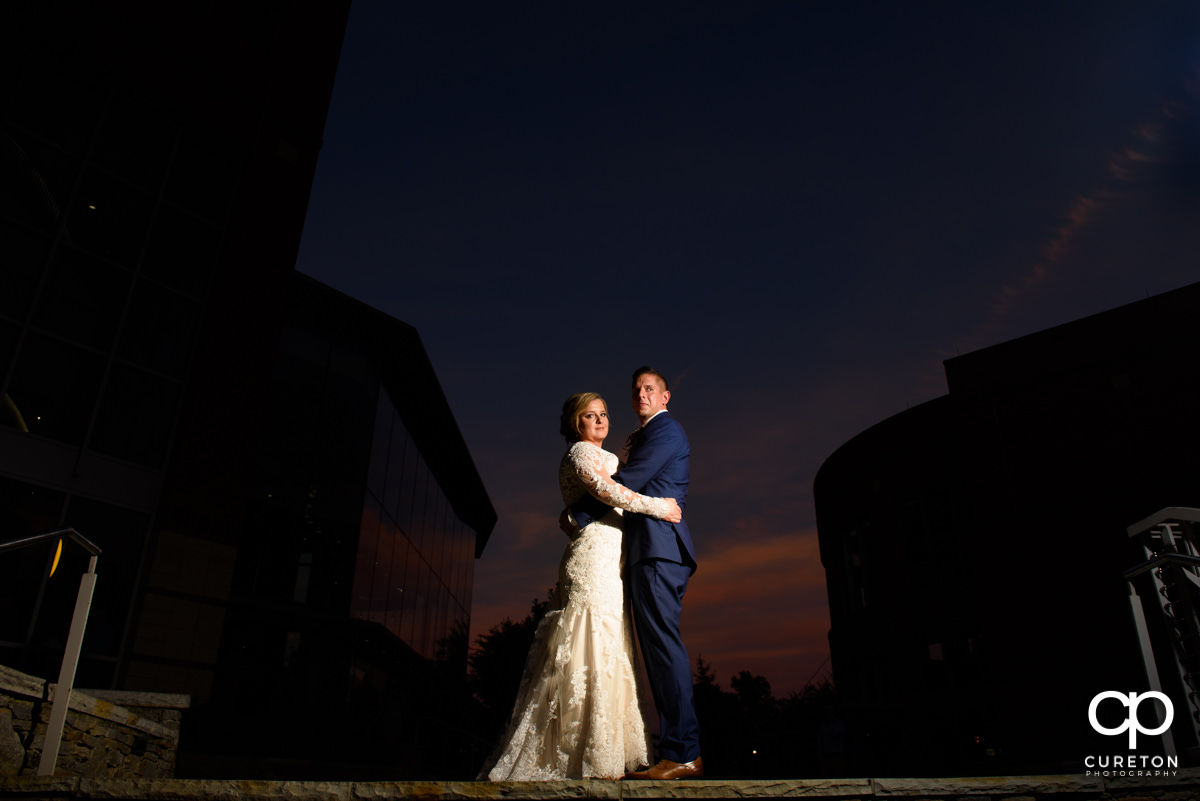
659 560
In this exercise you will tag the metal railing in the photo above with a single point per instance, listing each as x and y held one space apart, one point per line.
1170 539
66 674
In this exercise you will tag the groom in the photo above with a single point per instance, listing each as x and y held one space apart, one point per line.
659 560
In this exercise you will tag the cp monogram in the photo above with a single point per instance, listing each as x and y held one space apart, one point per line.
1132 723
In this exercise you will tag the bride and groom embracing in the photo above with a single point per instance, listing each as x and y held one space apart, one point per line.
577 714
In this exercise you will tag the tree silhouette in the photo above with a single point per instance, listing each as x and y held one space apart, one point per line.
749 734
496 663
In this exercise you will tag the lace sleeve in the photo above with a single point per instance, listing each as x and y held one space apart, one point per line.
589 467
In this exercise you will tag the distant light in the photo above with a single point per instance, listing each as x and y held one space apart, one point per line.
93 208
754 752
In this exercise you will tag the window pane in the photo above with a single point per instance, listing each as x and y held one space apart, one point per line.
109 218
380 445
24 256
60 109
160 329
412 582
364 568
441 628
55 386
420 502
438 543
461 555
38 180
383 572
469 576
60 592
332 523
83 299
9 332
136 416
395 588
120 533
421 610
394 480
408 483
24 509
300 363
348 411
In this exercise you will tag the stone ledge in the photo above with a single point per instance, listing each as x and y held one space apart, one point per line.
106 704
34 788
20 683
750 788
991 785
25 786
454 791
106 710
143 700
183 789
1183 776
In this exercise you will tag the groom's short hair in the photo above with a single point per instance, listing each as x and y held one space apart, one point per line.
646 369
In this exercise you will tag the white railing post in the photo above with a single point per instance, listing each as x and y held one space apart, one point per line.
66 674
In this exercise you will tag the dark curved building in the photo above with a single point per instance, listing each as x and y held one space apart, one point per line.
974 545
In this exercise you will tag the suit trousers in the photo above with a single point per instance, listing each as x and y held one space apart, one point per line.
657 587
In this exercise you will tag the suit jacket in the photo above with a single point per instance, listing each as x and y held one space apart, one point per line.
658 467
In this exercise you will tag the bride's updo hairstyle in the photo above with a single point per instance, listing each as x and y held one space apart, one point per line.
573 409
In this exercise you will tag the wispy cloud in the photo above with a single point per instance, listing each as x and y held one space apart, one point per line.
1121 183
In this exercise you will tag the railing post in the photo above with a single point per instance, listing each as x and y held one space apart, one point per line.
1139 621
1170 543
66 674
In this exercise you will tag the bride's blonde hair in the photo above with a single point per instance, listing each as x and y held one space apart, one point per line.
573 409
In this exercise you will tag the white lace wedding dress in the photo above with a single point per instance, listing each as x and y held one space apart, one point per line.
577 714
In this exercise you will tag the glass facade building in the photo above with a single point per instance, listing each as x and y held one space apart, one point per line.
288 513
351 578
114 203
415 556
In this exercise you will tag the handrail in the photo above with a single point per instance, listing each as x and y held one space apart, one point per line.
1159 561
52 741
1169 539
1182 514
51 534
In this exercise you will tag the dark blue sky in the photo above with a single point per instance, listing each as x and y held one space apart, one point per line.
796 210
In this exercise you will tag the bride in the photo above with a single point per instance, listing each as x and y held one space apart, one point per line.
577 713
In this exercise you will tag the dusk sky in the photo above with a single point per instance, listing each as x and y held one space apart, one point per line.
795 210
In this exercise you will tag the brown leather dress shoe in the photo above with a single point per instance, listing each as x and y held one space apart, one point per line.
668 771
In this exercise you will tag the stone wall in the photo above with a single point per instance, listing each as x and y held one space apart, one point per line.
109 734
